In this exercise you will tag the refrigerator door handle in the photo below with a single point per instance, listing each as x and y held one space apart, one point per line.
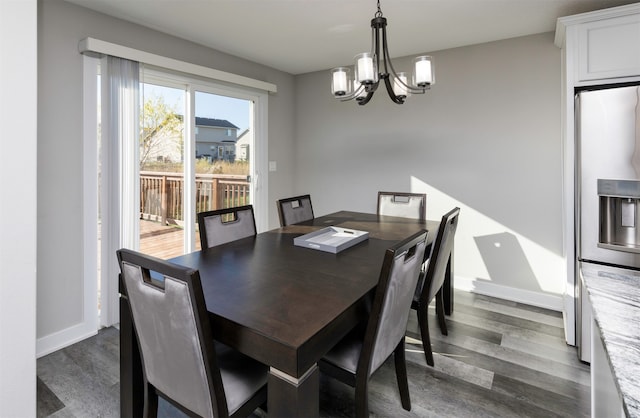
577 173
635 158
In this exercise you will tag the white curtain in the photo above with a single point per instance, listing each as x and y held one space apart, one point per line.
120 181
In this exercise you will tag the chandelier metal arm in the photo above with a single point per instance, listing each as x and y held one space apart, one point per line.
378 26
392 95
357 92
364 100
369 89
387 64
389 70
409 87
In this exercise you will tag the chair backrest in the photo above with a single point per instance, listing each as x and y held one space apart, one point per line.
226 225
296 209
172 325
406 205
440 252
392 301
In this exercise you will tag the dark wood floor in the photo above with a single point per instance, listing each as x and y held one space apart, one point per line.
500 359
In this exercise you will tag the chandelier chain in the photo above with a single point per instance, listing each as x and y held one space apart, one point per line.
379 12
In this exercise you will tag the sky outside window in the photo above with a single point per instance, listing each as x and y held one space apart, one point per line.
208 105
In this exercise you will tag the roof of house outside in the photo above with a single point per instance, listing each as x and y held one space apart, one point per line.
218 123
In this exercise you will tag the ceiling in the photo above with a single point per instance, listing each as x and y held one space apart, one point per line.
300 36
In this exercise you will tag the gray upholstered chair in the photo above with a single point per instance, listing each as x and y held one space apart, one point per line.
356 357
180 360
226 225
431 280
406 205
296 209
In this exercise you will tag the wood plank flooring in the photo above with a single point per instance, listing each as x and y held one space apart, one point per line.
163 241
500 359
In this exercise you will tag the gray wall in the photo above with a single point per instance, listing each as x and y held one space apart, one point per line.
485 138
60 231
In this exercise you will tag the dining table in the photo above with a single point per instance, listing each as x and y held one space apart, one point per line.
283 304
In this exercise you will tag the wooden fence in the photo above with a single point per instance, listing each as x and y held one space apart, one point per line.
161 194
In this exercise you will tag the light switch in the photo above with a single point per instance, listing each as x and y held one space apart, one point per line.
272 166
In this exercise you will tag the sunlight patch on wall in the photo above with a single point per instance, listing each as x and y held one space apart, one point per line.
486 250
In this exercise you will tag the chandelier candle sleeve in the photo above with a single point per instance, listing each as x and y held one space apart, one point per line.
424 72
400 85
365 69
340 83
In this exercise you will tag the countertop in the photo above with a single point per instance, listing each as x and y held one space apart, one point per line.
615 301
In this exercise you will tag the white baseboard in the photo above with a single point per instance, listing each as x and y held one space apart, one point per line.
483 287
569 317
61 339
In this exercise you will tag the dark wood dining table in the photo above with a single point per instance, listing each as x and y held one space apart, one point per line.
283 304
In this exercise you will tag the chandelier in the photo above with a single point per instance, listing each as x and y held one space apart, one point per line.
368 71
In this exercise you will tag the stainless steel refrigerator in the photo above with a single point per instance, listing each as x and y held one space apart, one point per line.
607 189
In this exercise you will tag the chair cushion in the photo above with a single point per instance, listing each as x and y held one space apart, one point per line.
241 376
346 353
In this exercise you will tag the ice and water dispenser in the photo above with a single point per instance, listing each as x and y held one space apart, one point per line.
619 215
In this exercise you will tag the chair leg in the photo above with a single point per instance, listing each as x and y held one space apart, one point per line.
150 401
362 397
401 375
440 312
424 332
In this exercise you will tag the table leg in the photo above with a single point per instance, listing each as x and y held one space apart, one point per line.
447 288
294 397
131 379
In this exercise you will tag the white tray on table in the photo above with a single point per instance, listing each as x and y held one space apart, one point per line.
331 239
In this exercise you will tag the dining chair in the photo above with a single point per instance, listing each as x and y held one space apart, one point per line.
357 356
432 278
296 209
406 205
180 360
225 225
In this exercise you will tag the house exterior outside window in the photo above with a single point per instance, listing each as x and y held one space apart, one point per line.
216 139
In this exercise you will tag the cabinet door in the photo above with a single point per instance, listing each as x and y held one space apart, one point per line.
609 48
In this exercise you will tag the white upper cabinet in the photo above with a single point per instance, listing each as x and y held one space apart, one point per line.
601 47
609 48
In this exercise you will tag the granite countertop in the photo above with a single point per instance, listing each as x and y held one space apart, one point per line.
615 302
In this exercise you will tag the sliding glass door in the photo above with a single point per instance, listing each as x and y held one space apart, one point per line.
162 169
195 155
192 145
223 139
